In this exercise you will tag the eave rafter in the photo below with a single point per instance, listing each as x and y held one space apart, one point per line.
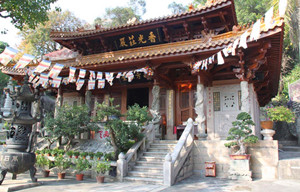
223 19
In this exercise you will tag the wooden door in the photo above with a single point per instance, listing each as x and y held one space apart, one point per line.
185 102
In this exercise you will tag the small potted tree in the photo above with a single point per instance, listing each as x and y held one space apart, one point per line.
76 154
240 134
83 154
43 163
101 167
98 155
62 164
91 155
80 166
70 153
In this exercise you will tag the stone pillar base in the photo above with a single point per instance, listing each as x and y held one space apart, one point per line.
268 134
240 170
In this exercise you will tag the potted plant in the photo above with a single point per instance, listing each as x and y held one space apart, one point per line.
76 154
70 153
240 134
62 164
91 155
80 166
83 154
101 167
98 155
278 113
43 163
54 152
47 152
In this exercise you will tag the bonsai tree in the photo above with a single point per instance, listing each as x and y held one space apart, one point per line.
241 133
69 121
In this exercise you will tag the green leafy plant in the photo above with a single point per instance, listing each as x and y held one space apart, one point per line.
54 152
280 113
91 155
109 156
70 153
69 121
83 154
241 133
122 134
81 165
76 153
60 152
42 162
99 155
62 163
101 167
47 152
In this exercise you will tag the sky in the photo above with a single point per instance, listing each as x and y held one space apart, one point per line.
88 10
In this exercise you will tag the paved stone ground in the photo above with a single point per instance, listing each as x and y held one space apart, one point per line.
193 183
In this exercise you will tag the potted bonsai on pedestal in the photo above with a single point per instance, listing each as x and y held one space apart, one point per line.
62 164
240 134
101 167
80 166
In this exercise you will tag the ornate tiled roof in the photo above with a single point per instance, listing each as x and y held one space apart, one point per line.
183 47
64 53
195 12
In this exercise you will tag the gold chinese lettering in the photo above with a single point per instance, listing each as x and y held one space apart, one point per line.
152 37
141 39
122 42
131 40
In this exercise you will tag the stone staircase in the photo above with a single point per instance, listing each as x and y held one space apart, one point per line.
149 166
289 162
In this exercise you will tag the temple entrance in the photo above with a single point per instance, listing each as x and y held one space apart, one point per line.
185 103
139 96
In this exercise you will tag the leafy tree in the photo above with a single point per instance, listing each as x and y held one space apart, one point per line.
177 7
120 15
25 12
2 46
38 42
122 135
69 121
3 77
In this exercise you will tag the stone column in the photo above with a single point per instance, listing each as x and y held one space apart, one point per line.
155 107
88 103
170 114
245 96
199 109
122 167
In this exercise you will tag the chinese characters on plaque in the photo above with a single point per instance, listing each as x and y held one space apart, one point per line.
138 39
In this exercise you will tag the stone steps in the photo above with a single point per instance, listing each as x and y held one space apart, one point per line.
289 168
149 167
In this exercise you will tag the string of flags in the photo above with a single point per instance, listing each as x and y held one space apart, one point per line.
37 77
242 41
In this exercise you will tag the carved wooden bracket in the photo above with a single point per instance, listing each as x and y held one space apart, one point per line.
205 25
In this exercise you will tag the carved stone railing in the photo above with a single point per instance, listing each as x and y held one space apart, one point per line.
175 160
126 161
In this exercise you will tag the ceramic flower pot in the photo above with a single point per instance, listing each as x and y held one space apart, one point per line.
79 177
45 173
266 124
61 175
240 157
100 179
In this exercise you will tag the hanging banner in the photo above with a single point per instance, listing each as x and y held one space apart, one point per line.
243 40
101 83
79 84
56 82
130 76
43 65
56 69
109 77
7 55
31 77
71 78
91 84
234 46
82 73
24 61
65 80
119 75
43 80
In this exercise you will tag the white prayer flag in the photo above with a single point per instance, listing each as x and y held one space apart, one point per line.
282 7
79 84
269 18
82 73
255 33
56 82
7 55
220 58
243 40
130 76
92 75
56 69
91 84
119 75
234 46
24 61
43 65
225 51
99 75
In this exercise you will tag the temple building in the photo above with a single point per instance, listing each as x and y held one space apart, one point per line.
199 64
